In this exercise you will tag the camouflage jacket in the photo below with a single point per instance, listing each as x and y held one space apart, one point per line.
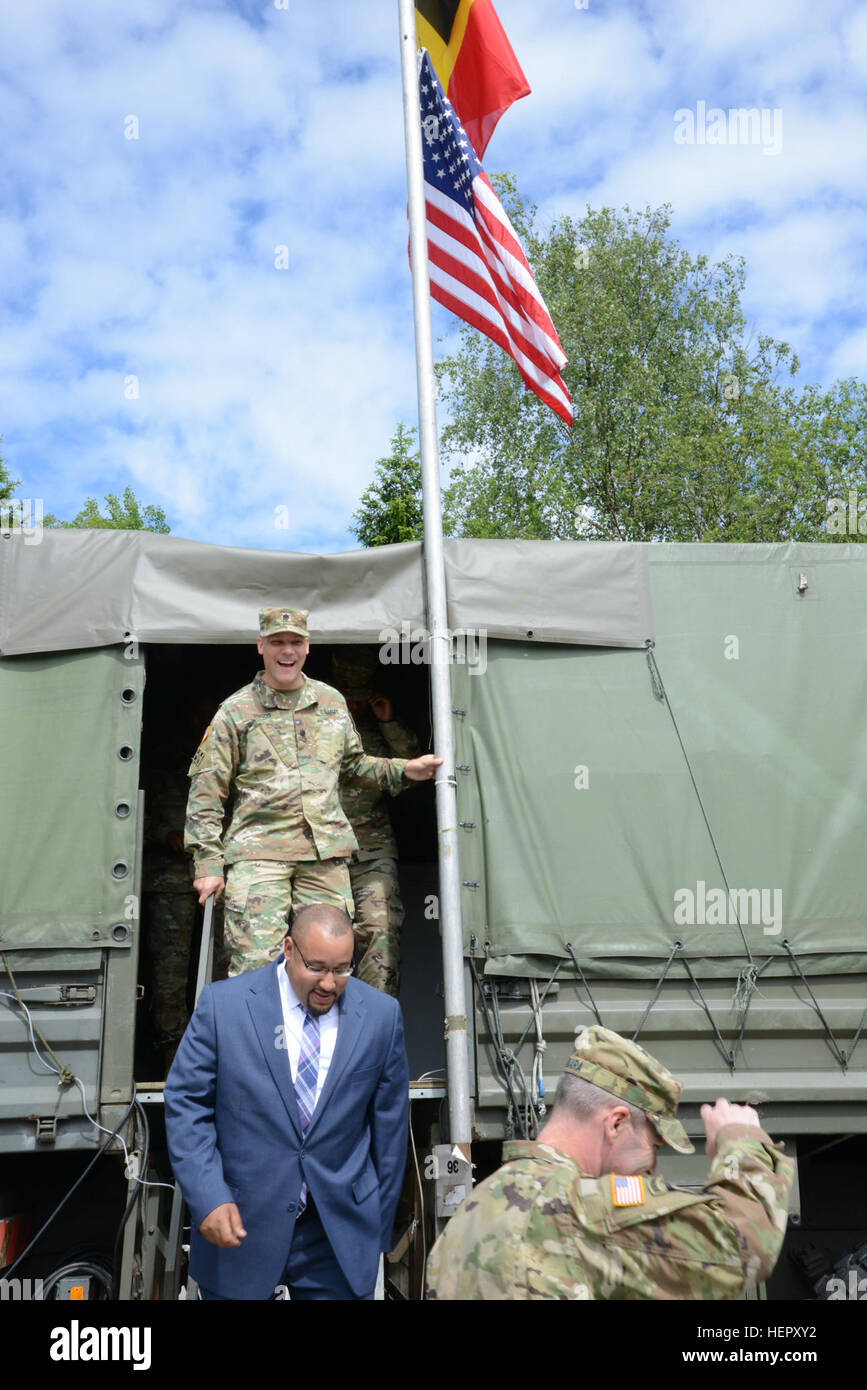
365 806
280 758
540 1228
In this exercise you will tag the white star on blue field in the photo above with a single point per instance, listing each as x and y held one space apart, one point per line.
204 281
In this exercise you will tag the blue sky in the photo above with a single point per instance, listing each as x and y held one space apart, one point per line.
262 388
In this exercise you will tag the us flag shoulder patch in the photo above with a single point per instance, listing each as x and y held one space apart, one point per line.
627 1191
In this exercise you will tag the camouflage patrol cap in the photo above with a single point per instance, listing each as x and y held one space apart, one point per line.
628 1072
353 669
274 620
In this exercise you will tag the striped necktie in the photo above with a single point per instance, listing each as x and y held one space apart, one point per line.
306 1078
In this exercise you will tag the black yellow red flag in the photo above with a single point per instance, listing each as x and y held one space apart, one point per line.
473 60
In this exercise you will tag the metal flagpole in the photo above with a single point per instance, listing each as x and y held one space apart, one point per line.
457 1058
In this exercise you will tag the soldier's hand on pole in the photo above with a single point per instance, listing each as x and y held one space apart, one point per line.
724 1112
223 1226
215 884
423 769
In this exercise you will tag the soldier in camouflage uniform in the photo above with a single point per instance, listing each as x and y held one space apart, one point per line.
373 869
277 748
579 1215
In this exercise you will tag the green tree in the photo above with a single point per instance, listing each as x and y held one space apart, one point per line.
123 514
391 508
687 426
7 484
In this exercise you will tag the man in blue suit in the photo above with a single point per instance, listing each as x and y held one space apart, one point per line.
287 1118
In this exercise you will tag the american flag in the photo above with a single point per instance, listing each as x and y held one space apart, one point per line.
627 1191
477 266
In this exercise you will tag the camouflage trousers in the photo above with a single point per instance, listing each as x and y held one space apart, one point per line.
259 896
169 921
378 919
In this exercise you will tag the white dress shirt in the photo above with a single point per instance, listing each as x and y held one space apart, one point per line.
293 1025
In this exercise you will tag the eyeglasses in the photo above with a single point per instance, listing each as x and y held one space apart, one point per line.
341 972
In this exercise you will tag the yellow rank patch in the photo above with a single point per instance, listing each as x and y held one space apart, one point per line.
627 1191
204 735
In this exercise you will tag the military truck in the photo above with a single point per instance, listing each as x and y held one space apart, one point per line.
660 764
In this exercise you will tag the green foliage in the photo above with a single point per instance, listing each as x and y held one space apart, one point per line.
687 426
7 484
124 514
391 508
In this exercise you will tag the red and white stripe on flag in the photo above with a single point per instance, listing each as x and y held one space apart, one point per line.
477 266
627 1191
479 271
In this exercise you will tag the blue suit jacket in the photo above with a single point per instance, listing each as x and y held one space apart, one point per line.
234 1134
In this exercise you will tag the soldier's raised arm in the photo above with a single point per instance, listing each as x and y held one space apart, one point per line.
401 739
582 1214
749 1182
677 1244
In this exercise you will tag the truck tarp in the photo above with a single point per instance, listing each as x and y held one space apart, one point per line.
65 589
71 729
581 823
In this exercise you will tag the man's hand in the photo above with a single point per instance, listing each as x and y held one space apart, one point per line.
725 1113
381 706
422 769
206 886
223 1226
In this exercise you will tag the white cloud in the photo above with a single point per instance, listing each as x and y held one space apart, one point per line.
788 259
856 41
261 388
740 31
850 357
